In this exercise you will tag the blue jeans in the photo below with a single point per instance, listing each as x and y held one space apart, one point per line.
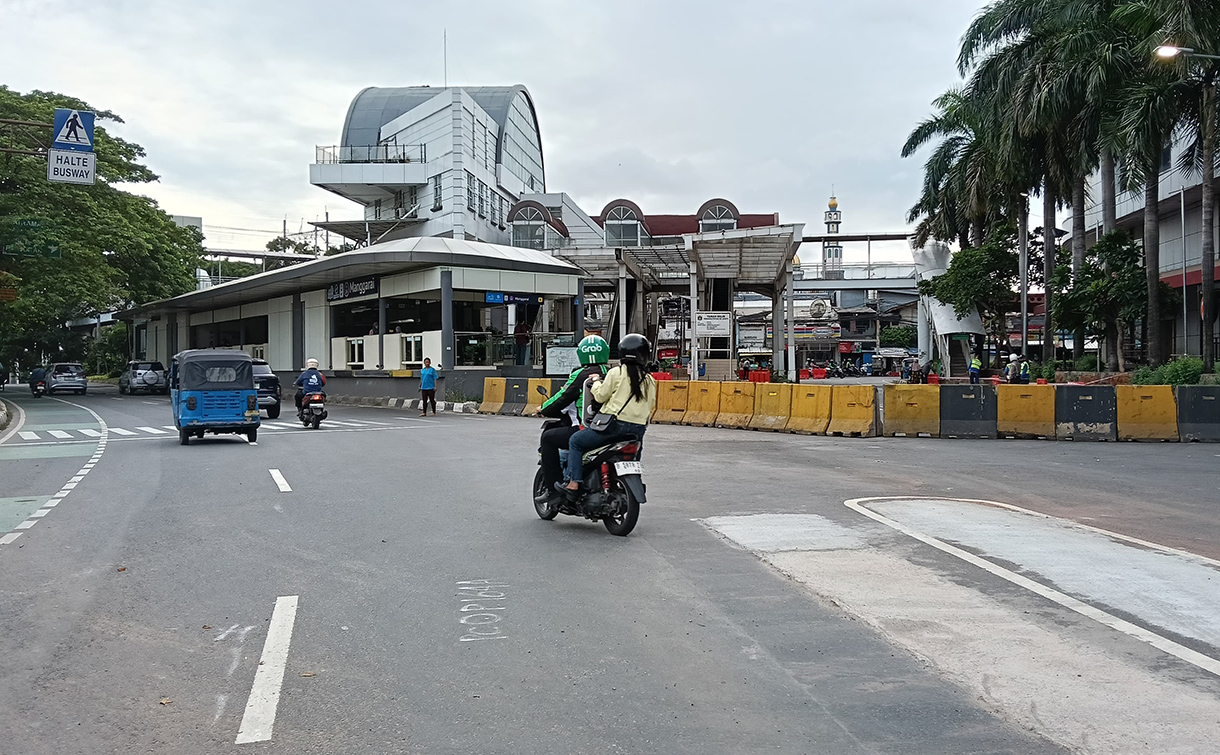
585 440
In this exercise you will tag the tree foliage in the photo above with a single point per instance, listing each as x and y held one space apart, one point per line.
116 248
981 278
900 336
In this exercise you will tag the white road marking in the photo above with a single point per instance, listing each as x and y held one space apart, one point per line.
151 430
59 434
1164 644
26 524
39 513
92 433
280 482
121 431
10 537
345 424
13 426
28 435
170 427
259 718
152 403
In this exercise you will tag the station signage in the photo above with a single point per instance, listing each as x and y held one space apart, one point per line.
499 297
66 166
713 324
350 289
71 159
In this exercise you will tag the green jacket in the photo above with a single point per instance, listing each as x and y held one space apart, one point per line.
572 392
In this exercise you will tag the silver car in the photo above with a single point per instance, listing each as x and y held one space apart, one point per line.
143 376
67 376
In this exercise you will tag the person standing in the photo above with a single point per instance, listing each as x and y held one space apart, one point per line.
1023 375
522 335
427 388
976 367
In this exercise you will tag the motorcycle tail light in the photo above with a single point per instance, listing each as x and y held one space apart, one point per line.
632 449
191 403
251 402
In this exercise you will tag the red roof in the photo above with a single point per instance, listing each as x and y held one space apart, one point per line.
676 225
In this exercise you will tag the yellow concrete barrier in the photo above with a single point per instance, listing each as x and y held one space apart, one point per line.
852 411
772 406
810 409
1025 411
702 403
536 399
736 405
671 402
1147 412
911 410
493 395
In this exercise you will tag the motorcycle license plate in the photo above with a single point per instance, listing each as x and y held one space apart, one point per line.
628 467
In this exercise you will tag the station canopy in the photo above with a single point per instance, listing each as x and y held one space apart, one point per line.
754 257
387 258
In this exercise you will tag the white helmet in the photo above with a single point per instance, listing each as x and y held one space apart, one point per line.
1013 357
311 364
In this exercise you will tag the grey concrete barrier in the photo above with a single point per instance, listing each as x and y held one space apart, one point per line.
1198 412
1086 412
968 411
516 396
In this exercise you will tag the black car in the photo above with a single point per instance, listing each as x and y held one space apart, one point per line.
268 385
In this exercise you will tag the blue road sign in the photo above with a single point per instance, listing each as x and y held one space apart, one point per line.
73 130
493 297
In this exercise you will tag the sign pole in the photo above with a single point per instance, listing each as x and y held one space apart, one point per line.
694 313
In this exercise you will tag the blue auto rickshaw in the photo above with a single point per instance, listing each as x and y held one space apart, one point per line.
212 391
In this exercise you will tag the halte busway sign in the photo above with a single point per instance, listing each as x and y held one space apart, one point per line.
71 158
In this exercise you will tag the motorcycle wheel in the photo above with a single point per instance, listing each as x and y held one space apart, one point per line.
548 509
627 513
317 421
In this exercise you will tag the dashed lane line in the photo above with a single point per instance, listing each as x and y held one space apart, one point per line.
27 435
70 485
259 718
280 482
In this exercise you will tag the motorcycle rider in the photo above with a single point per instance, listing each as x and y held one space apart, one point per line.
37 375
309 381
629 394
593 353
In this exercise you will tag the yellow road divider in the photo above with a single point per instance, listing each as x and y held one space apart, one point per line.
810 411
671 402
1025 411
911 410
772 406
1147 412
852 411
702 403
493 395
534 398
736 405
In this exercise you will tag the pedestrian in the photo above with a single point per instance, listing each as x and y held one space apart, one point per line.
427 388
522 334
976 366
1012 369
1023 374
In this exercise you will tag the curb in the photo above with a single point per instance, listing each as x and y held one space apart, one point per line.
5 415
404 404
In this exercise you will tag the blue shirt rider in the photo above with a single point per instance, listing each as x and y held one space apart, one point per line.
310 381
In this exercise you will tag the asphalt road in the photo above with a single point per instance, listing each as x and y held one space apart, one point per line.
435 613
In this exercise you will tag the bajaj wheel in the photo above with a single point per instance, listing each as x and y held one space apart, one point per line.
549 508
252 435
184 436
273 411
626 511
317 421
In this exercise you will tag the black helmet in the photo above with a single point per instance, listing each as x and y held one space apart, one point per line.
635 348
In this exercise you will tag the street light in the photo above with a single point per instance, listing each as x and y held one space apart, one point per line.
1173 51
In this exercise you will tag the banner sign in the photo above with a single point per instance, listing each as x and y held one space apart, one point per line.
350 289
713 324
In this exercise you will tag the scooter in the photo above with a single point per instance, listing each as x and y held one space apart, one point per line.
38 389
313 409
613 486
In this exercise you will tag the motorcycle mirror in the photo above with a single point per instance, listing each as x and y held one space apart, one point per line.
543 391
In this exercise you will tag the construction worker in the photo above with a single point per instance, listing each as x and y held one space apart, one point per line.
976 366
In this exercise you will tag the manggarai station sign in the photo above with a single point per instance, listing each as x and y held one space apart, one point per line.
350 289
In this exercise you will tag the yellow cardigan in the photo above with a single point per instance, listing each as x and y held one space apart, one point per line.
614 393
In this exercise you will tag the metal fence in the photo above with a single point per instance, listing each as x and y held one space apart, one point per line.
377 153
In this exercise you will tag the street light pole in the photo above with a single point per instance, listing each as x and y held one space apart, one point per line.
1023 246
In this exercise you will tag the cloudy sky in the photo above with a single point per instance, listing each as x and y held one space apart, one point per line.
768 103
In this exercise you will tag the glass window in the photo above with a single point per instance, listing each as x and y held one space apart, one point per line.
482 199
221 375
436 192
717 218
262 369
622 227
521 151
471 202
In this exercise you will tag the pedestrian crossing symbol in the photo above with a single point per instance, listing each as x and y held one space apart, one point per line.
73 130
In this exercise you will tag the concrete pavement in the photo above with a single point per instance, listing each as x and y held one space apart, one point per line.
436 613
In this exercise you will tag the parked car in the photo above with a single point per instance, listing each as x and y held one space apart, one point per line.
67 376
268 385
143 376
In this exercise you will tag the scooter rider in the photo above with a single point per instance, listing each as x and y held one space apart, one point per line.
37 375
309 381
593 353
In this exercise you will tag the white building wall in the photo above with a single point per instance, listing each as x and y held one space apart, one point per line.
317 326
279 333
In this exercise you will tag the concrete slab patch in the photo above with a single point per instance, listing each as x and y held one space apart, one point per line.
786 532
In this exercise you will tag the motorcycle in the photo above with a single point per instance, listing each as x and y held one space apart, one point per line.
313 409
38 389
613 486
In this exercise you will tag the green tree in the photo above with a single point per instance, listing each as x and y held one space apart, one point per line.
900 336
1105 293
115 248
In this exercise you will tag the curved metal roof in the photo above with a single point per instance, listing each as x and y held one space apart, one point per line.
374 107
386 258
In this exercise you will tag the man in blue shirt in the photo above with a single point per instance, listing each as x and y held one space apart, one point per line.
309 381
427 387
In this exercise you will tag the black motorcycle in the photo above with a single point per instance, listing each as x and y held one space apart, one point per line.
613 485
38 388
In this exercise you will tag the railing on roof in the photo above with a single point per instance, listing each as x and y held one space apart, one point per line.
377 153
856 271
